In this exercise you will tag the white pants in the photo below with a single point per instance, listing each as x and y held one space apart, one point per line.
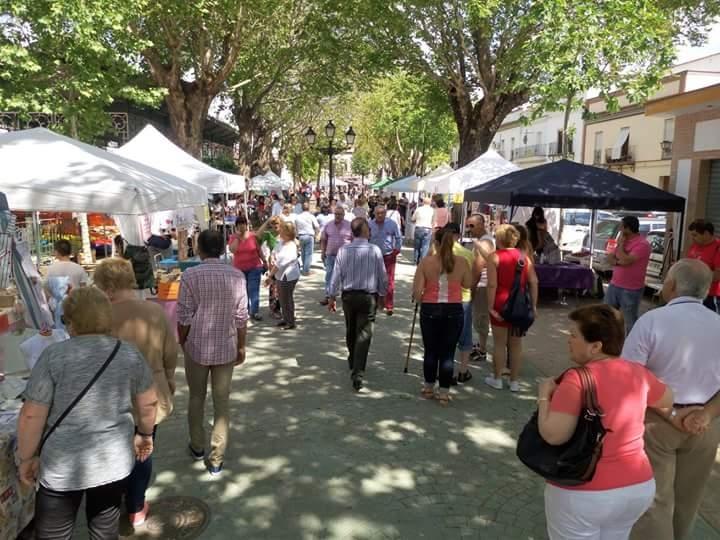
596 515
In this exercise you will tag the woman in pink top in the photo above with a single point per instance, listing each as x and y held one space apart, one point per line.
438 284
248 257
441 216
623 487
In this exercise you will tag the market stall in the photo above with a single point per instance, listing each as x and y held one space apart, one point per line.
485 168
566 184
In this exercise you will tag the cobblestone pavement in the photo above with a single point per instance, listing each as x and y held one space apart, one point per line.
309 459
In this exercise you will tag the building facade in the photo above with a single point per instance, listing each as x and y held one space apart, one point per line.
636 144
695 160
540 141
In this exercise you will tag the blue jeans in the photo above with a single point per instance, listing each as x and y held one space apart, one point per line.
627 301
441 326
252 285
138 482
423 235
307 244
329 267
465 343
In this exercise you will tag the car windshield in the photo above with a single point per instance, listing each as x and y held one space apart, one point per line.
607 228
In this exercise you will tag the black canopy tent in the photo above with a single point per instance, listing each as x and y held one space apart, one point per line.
566 184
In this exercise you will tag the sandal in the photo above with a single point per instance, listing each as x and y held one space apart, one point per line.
443 399
428 393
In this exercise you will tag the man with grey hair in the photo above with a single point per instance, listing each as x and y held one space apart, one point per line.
679 343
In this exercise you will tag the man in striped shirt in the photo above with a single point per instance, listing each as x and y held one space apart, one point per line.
360 277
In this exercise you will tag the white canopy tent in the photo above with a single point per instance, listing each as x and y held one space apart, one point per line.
270 182
154 149
42 170
487 167
325 182
403 185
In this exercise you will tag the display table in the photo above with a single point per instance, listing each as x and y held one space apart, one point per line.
17 502
564 276
169 264
170 309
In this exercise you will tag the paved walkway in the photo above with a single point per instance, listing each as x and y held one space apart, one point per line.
309 459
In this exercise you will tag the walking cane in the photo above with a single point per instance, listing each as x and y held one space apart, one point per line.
412 333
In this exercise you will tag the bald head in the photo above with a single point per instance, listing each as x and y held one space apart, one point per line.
687 277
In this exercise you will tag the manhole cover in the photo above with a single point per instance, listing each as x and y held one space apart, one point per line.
171 518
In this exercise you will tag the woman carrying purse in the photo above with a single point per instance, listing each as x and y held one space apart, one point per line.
622 487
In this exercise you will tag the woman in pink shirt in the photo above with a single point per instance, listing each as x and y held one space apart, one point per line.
439 280
248 257
623 487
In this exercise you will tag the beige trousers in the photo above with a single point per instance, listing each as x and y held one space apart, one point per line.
197 379
481 315
682 464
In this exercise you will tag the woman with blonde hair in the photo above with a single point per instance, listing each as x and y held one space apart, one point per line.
76 433
439 280
502 266
285 268
145 325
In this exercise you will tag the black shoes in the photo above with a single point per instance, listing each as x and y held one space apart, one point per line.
464 377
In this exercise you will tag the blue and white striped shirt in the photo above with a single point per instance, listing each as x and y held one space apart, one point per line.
359 267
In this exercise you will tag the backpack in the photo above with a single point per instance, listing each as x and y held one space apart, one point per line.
139 257
160 243
518 310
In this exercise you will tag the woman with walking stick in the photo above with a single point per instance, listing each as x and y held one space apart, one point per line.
438 284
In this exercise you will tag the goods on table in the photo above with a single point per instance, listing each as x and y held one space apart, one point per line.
17 502
168 287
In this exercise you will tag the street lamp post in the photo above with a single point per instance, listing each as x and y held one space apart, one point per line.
330 150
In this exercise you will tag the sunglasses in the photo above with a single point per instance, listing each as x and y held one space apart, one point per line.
469 226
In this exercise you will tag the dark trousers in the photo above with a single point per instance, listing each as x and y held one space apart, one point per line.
286 292
359 309
138 482
55 512
441 326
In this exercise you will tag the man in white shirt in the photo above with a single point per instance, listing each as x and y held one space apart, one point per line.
679 343
307 228
423 220
277 206
64 267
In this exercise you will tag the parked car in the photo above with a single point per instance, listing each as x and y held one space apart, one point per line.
607 233
576 226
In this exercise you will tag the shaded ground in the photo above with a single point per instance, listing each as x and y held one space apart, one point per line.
309 459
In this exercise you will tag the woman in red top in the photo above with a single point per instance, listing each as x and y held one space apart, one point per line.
501 266
623 487
248 257
439 280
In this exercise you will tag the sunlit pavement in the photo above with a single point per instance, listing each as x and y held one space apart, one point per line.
310 459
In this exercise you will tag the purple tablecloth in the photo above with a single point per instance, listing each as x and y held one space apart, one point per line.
564 276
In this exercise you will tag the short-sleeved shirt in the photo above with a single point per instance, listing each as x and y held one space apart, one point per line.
74 272
470 258
710 255
336 236
93 445
624 391
632 276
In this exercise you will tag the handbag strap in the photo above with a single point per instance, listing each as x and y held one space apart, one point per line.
590 401
80 395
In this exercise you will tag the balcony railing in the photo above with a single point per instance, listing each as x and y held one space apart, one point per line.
666 149
529 151
555 149
627 155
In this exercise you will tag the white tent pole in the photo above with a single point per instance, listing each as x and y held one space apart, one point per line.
36 233
593 219
85 235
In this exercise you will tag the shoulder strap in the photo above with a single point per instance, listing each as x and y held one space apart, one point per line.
80 395
590 402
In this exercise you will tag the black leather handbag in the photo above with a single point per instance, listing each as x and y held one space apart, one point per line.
518 310
572 463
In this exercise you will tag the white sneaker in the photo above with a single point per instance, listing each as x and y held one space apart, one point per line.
497 384
514 386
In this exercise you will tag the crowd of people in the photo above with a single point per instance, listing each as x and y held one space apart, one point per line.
656 379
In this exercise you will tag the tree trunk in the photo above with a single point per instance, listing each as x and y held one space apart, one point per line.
255 154
188 105
566 121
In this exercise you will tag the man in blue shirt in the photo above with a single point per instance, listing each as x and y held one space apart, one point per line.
385 234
